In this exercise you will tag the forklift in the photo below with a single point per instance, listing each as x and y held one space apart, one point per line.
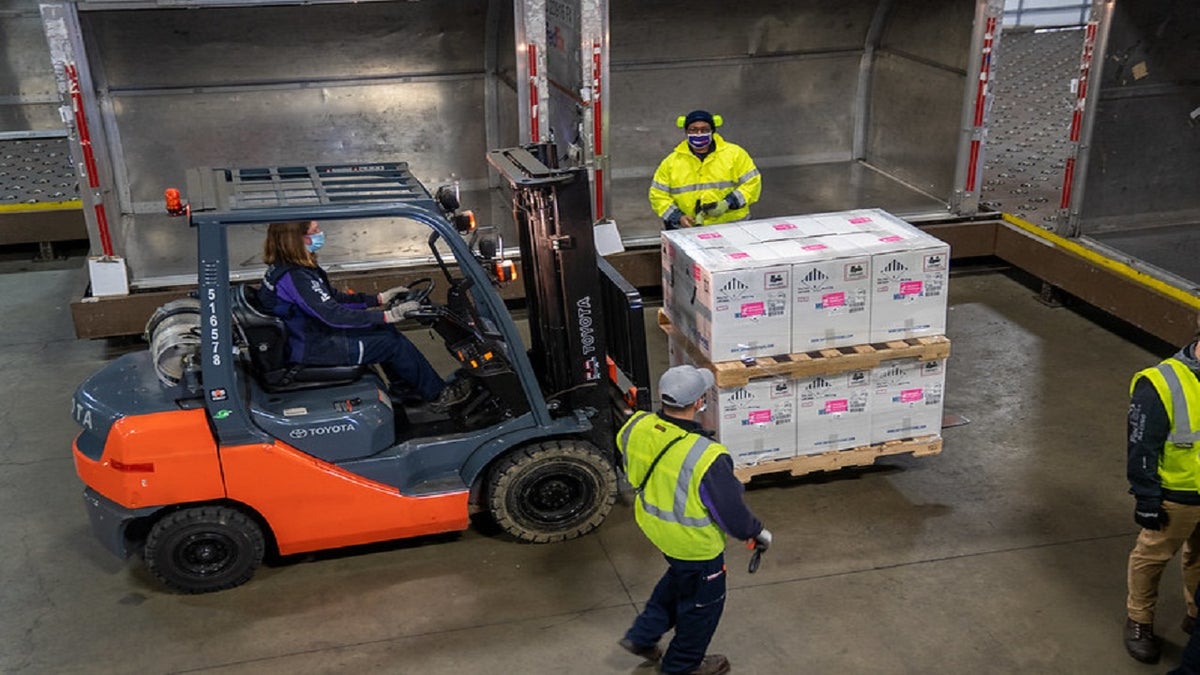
210 451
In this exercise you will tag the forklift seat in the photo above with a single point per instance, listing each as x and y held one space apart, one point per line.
266 338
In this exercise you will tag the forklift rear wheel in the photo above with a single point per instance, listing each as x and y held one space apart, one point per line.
204 549
552 491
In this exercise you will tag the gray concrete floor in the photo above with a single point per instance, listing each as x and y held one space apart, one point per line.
1005 554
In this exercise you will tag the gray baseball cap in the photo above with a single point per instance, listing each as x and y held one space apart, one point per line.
684 385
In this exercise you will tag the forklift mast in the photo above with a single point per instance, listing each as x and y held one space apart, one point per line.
567 288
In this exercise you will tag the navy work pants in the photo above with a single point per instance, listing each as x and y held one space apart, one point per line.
400 358
689 597
1190 664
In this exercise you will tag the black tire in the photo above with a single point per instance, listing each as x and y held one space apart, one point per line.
204 549
552 491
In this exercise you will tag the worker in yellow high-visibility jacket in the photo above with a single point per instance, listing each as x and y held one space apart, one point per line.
687 500
705 180
1164 476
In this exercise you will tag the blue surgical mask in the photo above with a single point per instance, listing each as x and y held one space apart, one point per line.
699 141
315 242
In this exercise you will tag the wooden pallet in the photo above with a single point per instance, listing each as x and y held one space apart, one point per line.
807 364
840 459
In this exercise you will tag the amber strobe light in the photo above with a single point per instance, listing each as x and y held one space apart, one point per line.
174 203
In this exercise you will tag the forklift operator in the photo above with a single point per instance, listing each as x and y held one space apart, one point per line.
327 327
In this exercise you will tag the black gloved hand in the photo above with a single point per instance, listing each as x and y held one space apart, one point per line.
1150 515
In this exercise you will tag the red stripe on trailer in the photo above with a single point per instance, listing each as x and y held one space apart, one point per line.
985 67
102 225
1068 177
972 167
597 128
534 135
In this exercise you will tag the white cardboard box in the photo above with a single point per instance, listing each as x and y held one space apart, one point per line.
739 303
907 399
831 292
910 273
833 412
757 422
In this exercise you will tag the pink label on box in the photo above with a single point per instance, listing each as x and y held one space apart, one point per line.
759 417
753 309
892 238
709 235
738 256
833 299
814 247
783 226
860 220
911 287
837 406
911 395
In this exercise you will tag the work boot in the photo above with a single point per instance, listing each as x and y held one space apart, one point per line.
452 394
1189 622
713 664
651 653
1140 641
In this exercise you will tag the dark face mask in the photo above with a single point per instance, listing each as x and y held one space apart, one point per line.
699 141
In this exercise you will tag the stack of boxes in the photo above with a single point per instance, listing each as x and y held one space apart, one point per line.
799 284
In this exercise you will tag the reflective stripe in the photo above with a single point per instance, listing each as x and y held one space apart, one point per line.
748 175
360 352
697 187
679 503
1182 431
655 185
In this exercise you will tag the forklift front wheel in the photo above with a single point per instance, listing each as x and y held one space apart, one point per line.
204 549
552 491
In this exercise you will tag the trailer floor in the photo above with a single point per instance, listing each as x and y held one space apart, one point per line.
1005 553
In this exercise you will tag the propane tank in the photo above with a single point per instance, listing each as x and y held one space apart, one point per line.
174 336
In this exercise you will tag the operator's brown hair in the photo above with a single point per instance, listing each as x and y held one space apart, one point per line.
285 244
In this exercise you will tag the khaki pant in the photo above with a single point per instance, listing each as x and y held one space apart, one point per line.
1154 549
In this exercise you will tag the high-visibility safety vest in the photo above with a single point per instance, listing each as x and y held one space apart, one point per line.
1179 390
682 181
668 507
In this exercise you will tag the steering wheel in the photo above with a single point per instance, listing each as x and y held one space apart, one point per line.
418 291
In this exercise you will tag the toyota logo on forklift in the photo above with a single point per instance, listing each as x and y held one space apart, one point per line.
530 445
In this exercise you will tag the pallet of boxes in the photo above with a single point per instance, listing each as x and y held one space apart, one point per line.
825 333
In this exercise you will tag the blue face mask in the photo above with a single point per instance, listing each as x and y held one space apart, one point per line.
699 141
315 242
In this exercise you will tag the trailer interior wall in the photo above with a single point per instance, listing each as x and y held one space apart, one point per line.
1139 197
842 105
430 83
28 94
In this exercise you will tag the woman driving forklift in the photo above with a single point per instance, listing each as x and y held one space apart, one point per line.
327 327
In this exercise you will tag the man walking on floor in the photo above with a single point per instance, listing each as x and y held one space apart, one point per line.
687 499
1163 470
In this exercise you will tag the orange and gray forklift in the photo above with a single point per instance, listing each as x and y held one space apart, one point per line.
210 450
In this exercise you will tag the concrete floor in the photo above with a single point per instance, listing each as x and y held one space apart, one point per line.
1005 553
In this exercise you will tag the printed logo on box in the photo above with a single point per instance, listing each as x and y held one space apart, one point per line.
776 280
910 395
935 263
839 405
859 378
931 368
855 271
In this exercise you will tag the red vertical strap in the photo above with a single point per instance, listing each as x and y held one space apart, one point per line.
972 166
597 128
89 156
534 135
1081 90
981 88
